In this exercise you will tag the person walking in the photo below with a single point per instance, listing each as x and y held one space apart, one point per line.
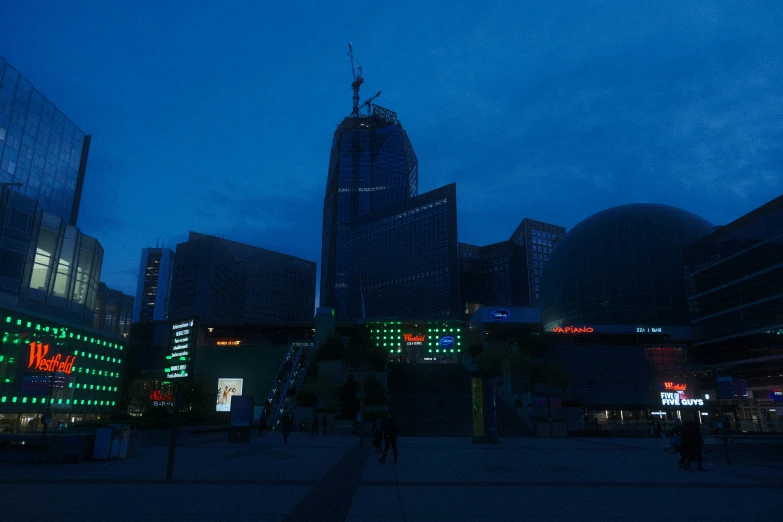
287 422
323 423
692 442
377 439
261 425
390 434
314 430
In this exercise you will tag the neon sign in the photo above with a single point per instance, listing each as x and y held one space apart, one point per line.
573 329
499 315
675 399
414 340
674 386
228 343
38 360
446 341
157 395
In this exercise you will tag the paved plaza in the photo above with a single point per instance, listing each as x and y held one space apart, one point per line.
333 479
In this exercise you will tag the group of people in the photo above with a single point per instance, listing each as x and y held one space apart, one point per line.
385 437
688 442
314 430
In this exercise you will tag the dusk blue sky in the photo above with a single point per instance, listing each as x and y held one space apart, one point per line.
219 118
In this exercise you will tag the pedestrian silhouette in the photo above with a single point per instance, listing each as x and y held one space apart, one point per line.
314 430
390 435
287 421
323 423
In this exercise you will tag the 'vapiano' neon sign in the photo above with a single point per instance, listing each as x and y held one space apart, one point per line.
38 360
573 329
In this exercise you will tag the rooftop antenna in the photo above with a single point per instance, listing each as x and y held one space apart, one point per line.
357 81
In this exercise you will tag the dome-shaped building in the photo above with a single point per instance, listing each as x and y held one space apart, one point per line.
621 266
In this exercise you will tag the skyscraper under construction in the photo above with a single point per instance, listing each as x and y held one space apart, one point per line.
372 171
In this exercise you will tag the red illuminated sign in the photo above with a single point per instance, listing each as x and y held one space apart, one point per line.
38 360
573 329
674 386
157 395
410 338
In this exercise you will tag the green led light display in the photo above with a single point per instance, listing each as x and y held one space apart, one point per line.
75 386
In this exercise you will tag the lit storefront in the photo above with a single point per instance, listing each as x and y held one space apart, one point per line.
74 373
419 341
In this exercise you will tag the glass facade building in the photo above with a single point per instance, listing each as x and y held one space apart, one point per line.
734 280
493 275
75 371
46 265
221 280
40 147
113 311
538 239
507 273
621 266
404 259
372 166
153 290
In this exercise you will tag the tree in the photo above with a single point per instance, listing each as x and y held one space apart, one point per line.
198 397
307 398
503 359
347 395
332 349
375 390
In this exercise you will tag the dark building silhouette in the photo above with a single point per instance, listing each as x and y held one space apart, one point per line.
621 266
40 148
372 167
113 311
734 280
221 280
507 273
405 259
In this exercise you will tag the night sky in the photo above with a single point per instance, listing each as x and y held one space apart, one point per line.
219 119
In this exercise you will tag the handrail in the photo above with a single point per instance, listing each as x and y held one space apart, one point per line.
279 408
300 379
271 396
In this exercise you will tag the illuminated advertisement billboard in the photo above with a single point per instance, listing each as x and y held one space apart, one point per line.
227 388
181 343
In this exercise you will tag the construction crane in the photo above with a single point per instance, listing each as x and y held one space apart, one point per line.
357 81
368 103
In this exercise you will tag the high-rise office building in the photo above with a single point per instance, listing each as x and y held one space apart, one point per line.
507 273
405 259
225 281
113 311
492 275
734 284
372 167
153 289
40 148
539 240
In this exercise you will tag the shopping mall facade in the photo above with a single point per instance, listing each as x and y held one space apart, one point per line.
54 369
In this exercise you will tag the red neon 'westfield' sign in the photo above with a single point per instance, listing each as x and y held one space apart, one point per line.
410 338
157 395
573 329
675 386
38 360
